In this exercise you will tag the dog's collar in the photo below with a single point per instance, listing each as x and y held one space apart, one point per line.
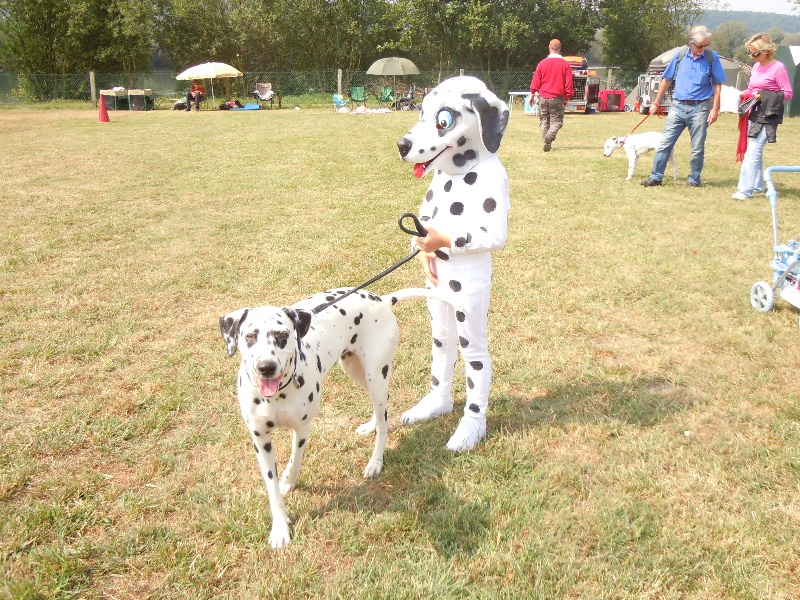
622 141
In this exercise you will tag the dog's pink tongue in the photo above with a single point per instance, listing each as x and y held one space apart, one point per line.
269 387
419 169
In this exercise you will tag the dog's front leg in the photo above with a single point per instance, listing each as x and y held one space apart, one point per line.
279 536
292 472
380 424
633 159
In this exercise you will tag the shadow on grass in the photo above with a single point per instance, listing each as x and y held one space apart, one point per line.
437 496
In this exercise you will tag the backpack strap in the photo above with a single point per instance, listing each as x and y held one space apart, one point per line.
706 52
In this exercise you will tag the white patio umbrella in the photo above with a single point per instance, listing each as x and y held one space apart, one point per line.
209 70
393 65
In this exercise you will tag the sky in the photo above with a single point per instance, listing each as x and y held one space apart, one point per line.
783 7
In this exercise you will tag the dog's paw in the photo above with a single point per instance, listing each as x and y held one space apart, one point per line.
285 487
366 428
373 469
279 536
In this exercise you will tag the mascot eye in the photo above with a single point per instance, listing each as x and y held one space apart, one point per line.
444 120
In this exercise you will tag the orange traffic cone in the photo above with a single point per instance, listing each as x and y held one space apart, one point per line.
103 115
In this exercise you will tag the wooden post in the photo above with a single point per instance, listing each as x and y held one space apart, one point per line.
608 79
92 88
461 72
339 81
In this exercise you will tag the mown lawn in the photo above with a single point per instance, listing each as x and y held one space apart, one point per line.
644 432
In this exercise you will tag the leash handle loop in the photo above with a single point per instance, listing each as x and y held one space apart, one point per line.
419 230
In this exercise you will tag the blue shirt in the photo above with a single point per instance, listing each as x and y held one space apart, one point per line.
696 78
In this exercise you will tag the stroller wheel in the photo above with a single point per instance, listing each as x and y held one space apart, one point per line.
762 297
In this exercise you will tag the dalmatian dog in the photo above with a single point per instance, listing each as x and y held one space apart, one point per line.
635 145
286 353
465 210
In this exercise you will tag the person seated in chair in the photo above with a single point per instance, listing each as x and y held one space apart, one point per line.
197 93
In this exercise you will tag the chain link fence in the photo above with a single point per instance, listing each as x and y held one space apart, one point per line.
34 88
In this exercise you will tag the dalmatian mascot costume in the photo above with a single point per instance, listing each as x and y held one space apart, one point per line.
465 211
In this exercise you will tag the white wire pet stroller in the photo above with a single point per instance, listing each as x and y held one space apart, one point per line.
786 262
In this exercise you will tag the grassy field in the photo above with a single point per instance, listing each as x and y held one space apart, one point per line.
644 431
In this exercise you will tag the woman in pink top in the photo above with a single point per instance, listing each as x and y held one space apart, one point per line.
770 75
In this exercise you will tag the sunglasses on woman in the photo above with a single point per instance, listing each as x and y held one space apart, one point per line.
754 54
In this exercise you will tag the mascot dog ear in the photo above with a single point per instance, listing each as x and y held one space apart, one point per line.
492 117
229 328
301 320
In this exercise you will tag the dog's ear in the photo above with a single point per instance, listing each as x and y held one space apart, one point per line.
229 328
301 320
492 117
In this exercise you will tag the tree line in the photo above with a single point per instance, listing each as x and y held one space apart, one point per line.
71 36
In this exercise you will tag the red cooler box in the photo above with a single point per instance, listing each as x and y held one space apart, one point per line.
611 100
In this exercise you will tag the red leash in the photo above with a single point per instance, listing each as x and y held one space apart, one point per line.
647 116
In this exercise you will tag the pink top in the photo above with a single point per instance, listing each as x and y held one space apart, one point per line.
775 77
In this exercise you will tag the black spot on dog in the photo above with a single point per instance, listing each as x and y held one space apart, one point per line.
270 424
385 371
343 311
455 285
434 381
474 408
470 383
460 160
305 417
240 381
435 212
282 343
460 316
476 365
461 141
269 474
357 320
448 186
282 396
425 219
394 300
429 196
330 298
256 448
489 205
319 364
470 178
256 400
268 447
318 387
301 443
484 230
353 339
437 343
464 342
256 433
311 397
456 208
386 415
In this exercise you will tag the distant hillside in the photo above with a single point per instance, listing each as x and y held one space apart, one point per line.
756 21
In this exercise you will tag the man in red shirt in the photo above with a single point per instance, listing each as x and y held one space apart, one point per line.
553 80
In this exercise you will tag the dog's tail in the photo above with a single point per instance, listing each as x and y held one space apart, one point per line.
435 293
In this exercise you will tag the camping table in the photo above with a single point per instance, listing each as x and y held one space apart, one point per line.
511 96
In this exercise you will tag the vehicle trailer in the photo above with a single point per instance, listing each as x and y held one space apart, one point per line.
585 84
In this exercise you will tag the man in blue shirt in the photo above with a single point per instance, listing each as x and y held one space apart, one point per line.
695 103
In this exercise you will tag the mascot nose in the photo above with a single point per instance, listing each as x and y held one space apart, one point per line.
267 368
404 146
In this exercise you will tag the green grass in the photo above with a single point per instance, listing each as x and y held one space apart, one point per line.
644 436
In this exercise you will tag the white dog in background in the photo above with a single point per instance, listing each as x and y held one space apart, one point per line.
635 145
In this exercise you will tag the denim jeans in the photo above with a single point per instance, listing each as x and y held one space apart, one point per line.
751 177
682 116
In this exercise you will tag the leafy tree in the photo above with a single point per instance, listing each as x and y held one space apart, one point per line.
730 37
636 32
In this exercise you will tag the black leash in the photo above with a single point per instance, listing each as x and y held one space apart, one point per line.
418 231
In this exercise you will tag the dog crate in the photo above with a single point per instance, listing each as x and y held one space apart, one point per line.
115 99
140 99
611 100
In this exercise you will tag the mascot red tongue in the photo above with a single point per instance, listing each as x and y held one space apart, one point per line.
419 170
269 387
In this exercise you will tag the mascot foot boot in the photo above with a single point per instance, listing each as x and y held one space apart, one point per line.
469 432
427 408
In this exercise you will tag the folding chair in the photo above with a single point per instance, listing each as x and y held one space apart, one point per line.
339 102
358 95
264 92
386 96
